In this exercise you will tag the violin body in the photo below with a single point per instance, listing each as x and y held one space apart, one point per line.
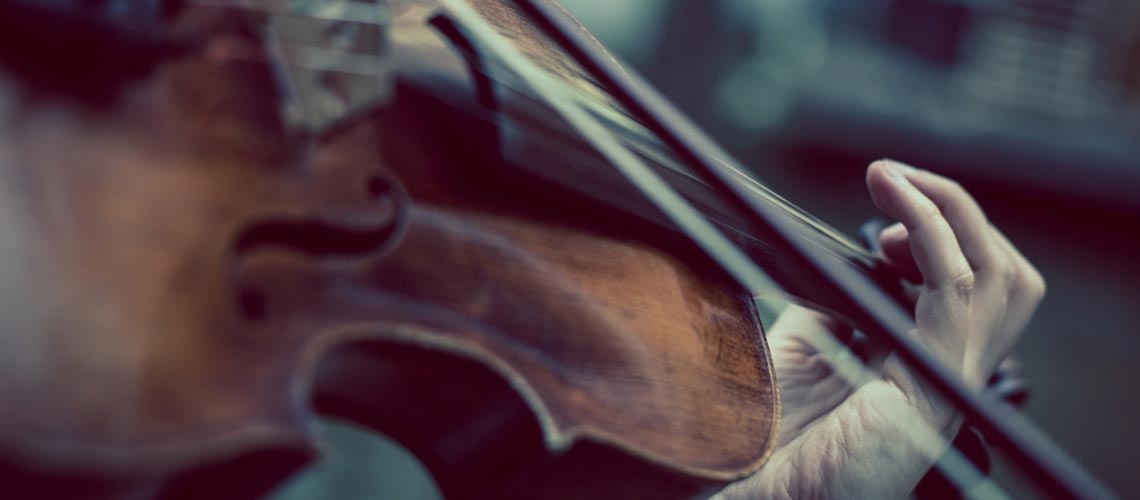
189 285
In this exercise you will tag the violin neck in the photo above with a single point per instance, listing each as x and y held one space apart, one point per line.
532 141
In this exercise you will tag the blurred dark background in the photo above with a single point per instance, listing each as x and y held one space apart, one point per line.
1034 105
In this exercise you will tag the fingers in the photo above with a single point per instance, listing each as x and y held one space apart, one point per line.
975 235
951 242
934 246
895 244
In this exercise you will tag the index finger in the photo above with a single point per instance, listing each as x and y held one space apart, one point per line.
933 244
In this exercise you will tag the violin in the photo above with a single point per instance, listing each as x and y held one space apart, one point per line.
214 233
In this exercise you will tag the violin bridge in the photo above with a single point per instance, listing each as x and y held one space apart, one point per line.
329 60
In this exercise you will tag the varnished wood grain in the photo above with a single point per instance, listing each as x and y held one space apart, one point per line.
184 279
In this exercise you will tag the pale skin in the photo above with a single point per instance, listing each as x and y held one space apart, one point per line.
978 292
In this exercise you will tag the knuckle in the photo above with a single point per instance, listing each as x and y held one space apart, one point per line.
955 195
928 213
965 205
954 188
964 282
949 188
1031 286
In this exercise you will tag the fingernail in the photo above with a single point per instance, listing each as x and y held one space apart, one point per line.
902 166
893 230
894 173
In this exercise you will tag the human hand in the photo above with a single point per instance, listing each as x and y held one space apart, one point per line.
877 440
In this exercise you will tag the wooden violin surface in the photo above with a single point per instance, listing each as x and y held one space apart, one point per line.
187 286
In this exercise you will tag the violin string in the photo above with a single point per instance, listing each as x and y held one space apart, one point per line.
357 16
315 58
957 468
1054 470
361 64
668 201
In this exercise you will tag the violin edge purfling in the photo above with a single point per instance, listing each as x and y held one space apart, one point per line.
210 283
